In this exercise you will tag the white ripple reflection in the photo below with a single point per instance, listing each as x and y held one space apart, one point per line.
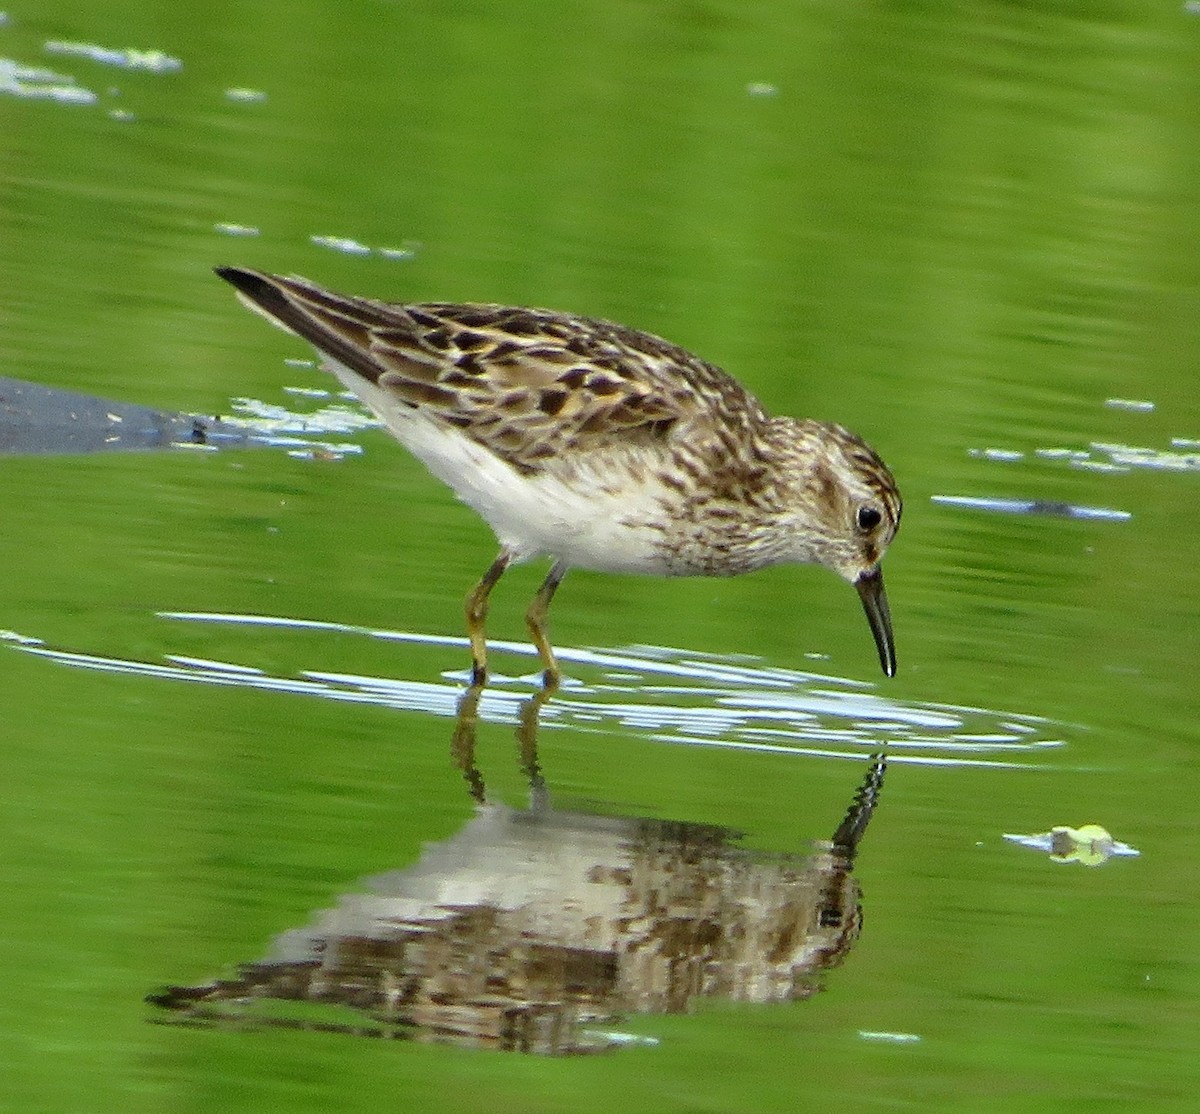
668 695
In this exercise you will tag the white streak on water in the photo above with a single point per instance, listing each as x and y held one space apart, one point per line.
684 698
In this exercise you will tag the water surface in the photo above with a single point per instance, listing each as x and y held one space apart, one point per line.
966 233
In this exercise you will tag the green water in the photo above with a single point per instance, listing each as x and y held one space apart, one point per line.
953 228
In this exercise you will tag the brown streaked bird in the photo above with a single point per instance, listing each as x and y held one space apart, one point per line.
598 446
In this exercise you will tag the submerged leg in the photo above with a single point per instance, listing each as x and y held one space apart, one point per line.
527 739
535 620
462 741
477 609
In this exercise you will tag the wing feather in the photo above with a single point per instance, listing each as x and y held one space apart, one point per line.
528 384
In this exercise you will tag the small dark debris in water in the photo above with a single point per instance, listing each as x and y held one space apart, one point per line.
1050 507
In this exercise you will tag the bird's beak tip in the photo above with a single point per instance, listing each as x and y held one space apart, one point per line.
869 585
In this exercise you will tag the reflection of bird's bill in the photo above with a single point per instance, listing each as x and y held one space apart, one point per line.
875 604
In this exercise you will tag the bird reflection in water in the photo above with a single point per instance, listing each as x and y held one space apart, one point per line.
533 929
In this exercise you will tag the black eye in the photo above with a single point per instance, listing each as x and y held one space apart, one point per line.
868 518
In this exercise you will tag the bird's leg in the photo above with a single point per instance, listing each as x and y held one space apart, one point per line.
535 620
462 741
527 740
477 609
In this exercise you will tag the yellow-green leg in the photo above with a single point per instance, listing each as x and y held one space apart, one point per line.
535 620
527 740
477 609
462 741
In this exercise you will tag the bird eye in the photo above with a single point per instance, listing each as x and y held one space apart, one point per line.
868 518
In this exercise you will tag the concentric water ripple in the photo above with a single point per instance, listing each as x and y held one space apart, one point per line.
668 695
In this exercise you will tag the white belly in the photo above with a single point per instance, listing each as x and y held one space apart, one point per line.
581 523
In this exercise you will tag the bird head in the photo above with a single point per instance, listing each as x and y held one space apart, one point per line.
846 513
